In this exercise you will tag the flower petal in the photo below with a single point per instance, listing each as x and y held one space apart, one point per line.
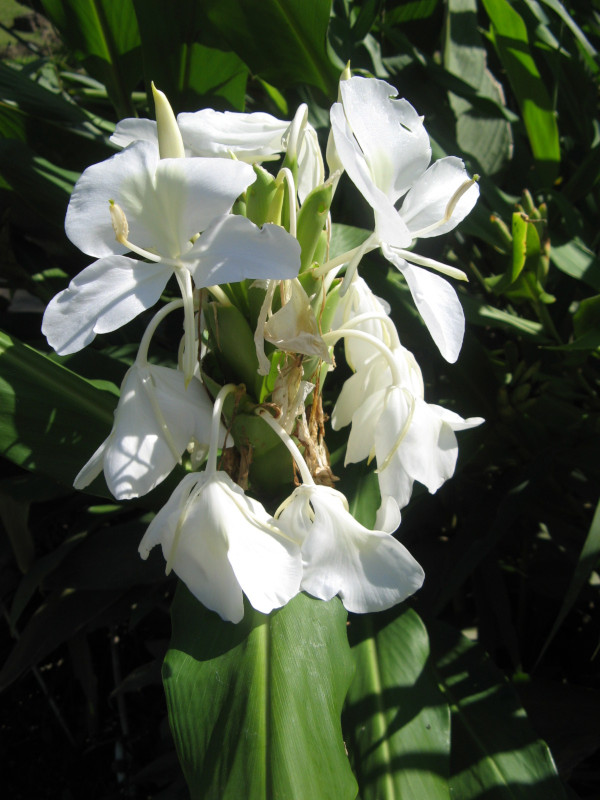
233 249
426 202
437 303
390 133
370 570
132 130
103 297
250 137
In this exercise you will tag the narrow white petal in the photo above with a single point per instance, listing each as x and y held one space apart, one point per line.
103 297
437 303
311 170
90 471
233 249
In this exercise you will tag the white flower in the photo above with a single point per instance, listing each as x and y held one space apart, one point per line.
252 138
155 420
223 544
411 439
157 207
370 570
385 150
414 441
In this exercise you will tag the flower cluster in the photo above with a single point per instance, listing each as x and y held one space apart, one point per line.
188 198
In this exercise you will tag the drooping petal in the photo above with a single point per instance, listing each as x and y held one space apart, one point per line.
251 137
221 542
426 202
194 545
311 170
437 303
370 570
233 249
361 441
93 467
103 297
155 420
390 134
294 328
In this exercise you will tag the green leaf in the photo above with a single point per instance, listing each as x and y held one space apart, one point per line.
511 40
397 718
104 36
255 707
285 43
51 420
180 63
574 258
495 753
484 137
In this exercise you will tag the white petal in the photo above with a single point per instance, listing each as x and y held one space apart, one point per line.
128 131
370 570
233 249
361 441
103 297
388 515
426 202
390 227
227 543
200 557
219 133
311 170
88 222
437 303
141 453
390 133
90 471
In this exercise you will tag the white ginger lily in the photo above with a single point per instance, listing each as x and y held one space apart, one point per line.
385 150
223 544
157 207
369 570
411 439
155 420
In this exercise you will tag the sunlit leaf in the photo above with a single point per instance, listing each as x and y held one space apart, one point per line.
397 719
255 707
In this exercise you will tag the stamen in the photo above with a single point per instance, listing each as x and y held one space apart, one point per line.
307 478
119 222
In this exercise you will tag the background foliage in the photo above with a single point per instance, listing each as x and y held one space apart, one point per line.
510 546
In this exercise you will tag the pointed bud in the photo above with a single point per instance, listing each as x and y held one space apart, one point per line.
170 143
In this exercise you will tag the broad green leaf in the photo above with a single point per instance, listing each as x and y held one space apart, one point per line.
178 61
344 238
511 40
51 420
285 43
255 707
486 138
397 720
574 258
496 755
104 37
